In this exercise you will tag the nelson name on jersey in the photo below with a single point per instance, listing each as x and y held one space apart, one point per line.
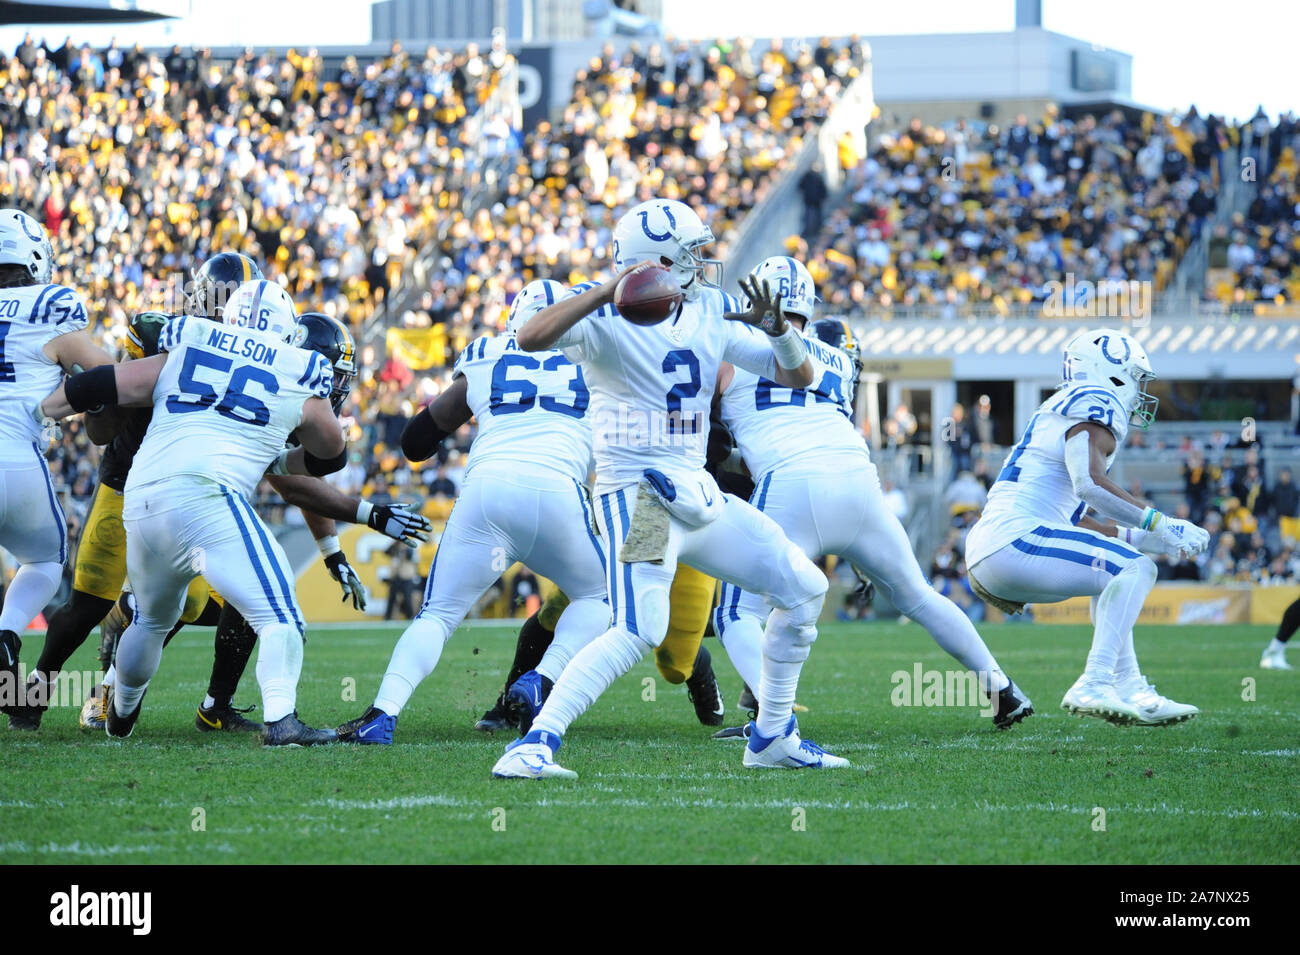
242 347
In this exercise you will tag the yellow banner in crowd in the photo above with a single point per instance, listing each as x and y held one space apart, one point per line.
418 348
1167 603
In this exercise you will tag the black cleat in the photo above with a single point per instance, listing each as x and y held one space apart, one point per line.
225 717
291 731
10 690
495 720
735 732
1012 707
26 714
120 727
748 702
705 693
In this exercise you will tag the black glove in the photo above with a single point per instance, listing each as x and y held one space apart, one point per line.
342 571
397 521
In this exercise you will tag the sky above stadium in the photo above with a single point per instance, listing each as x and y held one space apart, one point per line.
1227 59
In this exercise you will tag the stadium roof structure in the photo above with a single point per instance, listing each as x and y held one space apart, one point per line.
1250 347
90 11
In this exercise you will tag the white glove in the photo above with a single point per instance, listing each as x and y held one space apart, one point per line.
1180 538
51 432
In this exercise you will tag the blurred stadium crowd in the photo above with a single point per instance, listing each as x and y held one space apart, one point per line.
142 164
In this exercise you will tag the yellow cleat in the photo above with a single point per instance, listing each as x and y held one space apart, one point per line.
94 711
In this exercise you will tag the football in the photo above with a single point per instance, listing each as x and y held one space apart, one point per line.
647 296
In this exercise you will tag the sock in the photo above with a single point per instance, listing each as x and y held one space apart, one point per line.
414 658
110 675
127 698
743 641
1126 661
1287 628
209 702
952 630
279 664
534 639
68 627
1276 646
231 650
776 691
138 655
31 589
588 675
582 621
1117 610
787 639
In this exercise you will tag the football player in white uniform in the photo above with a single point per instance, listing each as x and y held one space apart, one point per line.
652 387
42 333
813 475
523 497
1036 542
226 397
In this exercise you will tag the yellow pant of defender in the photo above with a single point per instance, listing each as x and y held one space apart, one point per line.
101 557
690 603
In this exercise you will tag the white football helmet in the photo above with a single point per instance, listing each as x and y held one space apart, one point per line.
670 233
532 298
788 278
1110 359
23 241
262 306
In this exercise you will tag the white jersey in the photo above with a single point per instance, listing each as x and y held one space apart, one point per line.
793 429
31 316
652 385
531 408
225 402
1034 487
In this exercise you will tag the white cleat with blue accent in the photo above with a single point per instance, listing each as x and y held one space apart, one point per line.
788 751
1152 708
1090 697
532 757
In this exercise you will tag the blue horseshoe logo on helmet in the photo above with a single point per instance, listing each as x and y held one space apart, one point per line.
658 236
1105 351
22 221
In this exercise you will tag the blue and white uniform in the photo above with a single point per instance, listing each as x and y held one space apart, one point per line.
1025 547
32 527
814 477
223 406
524 498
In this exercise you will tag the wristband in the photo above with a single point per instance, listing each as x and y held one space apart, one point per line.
1151 518
319 467
281 463
363 512
329 546
789 349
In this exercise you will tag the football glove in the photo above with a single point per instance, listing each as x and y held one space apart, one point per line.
1181 538
51 433
398 521
342 571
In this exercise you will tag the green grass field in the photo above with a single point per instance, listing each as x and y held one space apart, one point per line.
927 784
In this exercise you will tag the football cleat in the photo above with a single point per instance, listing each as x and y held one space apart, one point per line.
787 751
705 693
532 757
291 731
26 715
1090 697
496 719
1013 706
1274 658
95 710
10 646
373 727
748 702
734 732
120 727
224 716
525 698
1152 708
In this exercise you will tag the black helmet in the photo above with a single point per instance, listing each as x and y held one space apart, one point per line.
836 333
216 280
142 333
331 338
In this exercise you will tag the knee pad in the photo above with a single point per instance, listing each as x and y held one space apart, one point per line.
652 610
790 634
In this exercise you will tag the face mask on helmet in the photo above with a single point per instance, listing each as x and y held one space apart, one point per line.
669 233
328 336
24 242
837 334
216 280
789 279
262 306
1109 359
532 298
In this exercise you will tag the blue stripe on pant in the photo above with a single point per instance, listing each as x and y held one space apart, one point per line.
54 505
1087 560
1086 537
285 590
588 517
254 558
729 595
622 611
